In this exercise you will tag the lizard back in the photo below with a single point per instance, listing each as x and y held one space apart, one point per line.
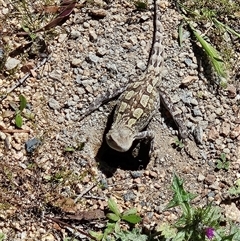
140 100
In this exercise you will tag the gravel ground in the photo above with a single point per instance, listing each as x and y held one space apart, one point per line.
89 57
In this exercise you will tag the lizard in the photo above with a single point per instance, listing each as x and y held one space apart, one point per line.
141 99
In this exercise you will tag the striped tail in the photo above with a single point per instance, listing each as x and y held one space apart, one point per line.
157 53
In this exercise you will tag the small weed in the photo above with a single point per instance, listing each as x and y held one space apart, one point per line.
203 13
69 149
178 143
113 225
195 224
198 224
79 147
222 163
2 237
69 239
140 5
18 113
235 190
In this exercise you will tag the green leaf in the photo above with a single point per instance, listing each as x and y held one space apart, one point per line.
180 34
113 217
69 149
117 227
180 236
167 231
130 211
96 235
18 120
23 102
180 195
109 229
212 53
132 218
133 235
2 236
230 30
113 207
223 157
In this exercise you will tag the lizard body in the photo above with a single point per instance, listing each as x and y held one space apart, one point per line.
141 99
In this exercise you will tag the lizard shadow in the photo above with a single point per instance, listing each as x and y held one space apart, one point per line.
137 158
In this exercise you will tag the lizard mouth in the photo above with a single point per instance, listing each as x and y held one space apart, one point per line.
112 143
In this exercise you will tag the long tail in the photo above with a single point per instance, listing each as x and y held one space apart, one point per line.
156 58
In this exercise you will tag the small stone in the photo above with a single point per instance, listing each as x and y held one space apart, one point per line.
153 174
226 150
175 99
136 174
5 11
32 144
193 101
76 62
144 17
16 146
201 177
86 25
189 80
62 37
92 58
219 111
129 196
196 111
54 104
232 91
112 68
213 134
188 62
225 129
2 136
93 36
137 180
101 52
89 89
210 179
235 132
141 65
232 212
12 63
75 34
98 13
215 186
198 134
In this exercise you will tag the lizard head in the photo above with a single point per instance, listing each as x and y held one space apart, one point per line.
121 139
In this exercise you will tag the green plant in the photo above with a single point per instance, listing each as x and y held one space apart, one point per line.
198 224
223 163
235 190
18 112
2 236
79 147
200 13
141 5
178 143
113 225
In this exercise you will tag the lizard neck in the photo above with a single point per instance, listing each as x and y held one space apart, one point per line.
155 64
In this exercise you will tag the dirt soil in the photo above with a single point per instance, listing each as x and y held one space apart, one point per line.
58 163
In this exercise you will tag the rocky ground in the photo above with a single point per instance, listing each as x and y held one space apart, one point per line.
58 162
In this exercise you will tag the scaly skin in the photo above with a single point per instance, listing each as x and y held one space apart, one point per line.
141 99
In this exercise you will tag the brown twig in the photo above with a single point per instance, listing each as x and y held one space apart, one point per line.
70 228
14 131
85 191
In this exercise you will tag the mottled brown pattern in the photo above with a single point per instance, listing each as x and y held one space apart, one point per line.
140 100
